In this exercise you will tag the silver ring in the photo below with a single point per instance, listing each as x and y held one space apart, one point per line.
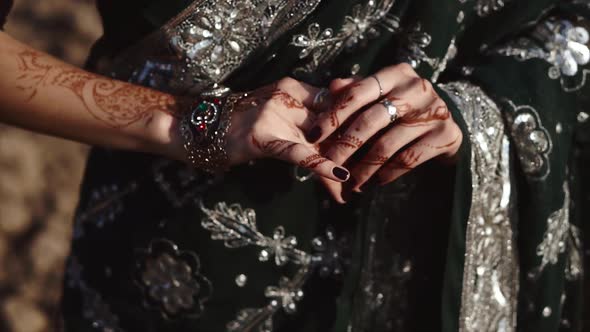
378 83
391 110
320 97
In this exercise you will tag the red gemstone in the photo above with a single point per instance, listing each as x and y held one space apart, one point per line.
217 101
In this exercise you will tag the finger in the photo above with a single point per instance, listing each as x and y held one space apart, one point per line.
304 156
341 83
300 91
383 150
428 148
355 97
336 189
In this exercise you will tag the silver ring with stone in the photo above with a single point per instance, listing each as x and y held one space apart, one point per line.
378 83
391 110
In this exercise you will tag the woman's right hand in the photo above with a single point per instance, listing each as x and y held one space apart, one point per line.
271 123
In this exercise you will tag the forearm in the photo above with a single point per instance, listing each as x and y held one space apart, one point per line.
43 94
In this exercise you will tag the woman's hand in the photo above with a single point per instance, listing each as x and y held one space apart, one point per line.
423 130
270 123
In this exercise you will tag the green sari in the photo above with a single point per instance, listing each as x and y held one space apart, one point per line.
491 244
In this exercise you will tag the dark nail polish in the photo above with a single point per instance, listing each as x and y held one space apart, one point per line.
314 134
341 173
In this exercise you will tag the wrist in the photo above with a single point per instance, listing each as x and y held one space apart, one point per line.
163 134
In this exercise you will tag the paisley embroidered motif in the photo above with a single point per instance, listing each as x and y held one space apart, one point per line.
171 280
562 45
532 141
365 22
491 272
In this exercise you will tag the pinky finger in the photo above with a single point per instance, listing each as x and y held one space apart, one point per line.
307 157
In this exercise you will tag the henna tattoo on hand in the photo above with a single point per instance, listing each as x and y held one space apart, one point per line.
115 103
259 97
440 147
312 161
274 148
406 159
376 160
349 141
413 117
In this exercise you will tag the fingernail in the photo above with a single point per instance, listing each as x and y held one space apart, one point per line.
341 173
314 134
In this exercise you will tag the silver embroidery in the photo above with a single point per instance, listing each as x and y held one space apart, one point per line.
284 296
486 7
208 41
94 308
490 279
103 207
237 228
562 45
533 142
364 23
414 42
180 183
560 236
171 280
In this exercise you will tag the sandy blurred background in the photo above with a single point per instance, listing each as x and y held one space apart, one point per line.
39 176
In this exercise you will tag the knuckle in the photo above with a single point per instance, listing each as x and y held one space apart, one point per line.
406 68
365 121
286 82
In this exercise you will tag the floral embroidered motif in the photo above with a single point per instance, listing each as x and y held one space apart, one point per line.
559 237
171 280
94 308
414 41
363 24
284 296
208 41
532 140
491 273
329 254
237 228
487 7
562 45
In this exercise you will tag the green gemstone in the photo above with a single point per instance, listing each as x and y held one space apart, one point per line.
202 107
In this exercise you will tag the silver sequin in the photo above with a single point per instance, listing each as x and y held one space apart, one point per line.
564 46
533 142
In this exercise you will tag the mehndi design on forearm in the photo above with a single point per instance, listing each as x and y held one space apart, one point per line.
115 103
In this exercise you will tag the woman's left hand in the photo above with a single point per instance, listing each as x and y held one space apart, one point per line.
421 128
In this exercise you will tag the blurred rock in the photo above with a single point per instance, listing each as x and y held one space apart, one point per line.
23 316
40 176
